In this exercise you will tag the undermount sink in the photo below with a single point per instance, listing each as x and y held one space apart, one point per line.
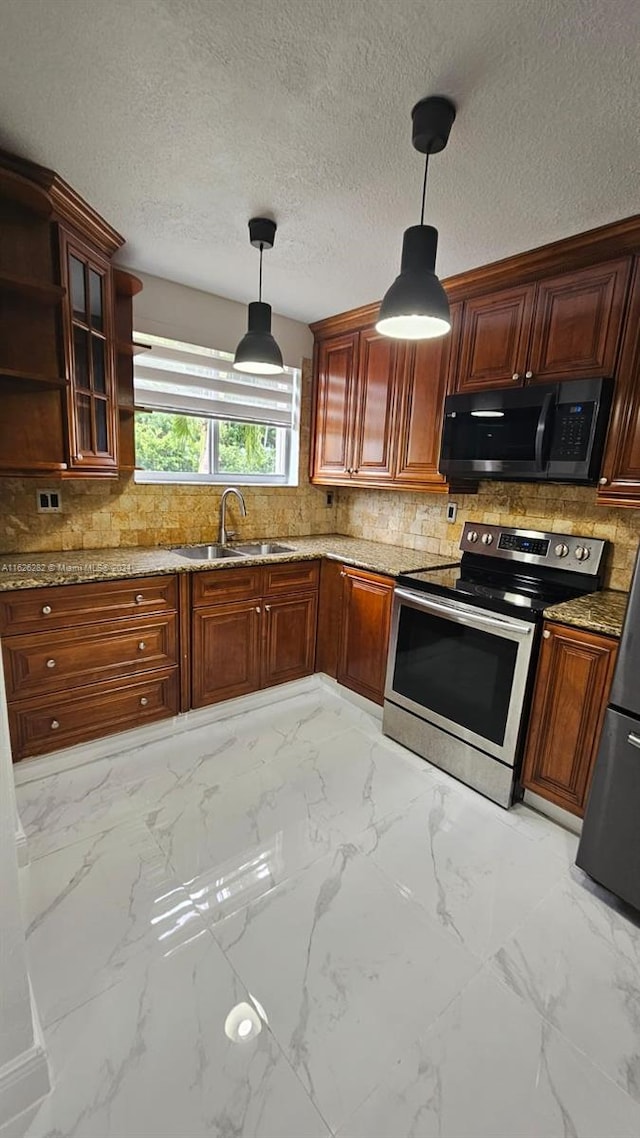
206 552
262 548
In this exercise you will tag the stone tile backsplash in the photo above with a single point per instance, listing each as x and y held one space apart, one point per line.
101 514
419 520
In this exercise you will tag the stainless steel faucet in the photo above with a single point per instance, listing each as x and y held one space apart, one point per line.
222 534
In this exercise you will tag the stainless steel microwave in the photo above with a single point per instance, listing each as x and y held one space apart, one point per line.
554 432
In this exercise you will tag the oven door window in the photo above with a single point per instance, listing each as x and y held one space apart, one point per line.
461 673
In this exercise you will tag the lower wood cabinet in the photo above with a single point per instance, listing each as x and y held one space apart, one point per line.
366 617
83 661
575 671
265 638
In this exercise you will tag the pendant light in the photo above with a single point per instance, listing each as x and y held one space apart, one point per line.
258 352
416 305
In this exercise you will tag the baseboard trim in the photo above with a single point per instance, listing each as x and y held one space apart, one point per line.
555 813
25 1081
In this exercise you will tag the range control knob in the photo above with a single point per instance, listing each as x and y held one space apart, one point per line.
583 553
561 550
472 536
487 539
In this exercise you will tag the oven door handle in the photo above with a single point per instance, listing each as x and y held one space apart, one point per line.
461 617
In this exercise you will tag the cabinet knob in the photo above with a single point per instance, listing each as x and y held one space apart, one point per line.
54 724
51 663
546 634
516 375
267 608
139 598
258 609
349 470
528 375
46 610
342 573
143 701
603 481
142 646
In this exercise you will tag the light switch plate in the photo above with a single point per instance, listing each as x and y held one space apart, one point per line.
48 501
452 512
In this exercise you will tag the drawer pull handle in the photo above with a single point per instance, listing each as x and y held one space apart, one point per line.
634 740
143 701
46 610
139 598
51 663
54 724
142 646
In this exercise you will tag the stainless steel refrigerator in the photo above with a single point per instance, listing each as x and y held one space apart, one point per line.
609 849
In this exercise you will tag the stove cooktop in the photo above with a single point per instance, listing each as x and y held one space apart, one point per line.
515 570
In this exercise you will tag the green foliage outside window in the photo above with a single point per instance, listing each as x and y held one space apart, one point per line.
182 444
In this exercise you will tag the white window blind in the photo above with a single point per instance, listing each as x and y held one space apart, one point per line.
190 380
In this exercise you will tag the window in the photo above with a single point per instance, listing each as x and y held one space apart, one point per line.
197 420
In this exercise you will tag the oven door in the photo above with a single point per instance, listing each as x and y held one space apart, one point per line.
461 668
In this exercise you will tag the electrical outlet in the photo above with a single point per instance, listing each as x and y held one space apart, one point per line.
49 501
329 498
452 512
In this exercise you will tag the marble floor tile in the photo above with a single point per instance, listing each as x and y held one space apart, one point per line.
92 907
479 880
490 1067
576 959
349 972
150 1057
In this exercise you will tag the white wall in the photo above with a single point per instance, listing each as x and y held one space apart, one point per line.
165 308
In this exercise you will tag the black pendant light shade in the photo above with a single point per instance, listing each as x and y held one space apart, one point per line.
416 305
258 353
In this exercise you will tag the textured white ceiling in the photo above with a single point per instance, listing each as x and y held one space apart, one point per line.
179 119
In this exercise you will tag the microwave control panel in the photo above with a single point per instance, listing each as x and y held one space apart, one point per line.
571 432
565 551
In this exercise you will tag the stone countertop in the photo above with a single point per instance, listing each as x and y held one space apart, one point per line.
33 570
596 612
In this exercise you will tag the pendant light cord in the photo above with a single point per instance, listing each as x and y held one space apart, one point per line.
424 187
260 278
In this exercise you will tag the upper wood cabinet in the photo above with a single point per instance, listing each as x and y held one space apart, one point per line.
89 350
335 369
575 670
495 334
422 388
564 327
577 323
373 424
620 482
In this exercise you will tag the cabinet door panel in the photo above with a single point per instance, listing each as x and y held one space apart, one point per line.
621 466
364 640
226 652
574 676
578 321
374 419
494 339
335 378
290 639
422 391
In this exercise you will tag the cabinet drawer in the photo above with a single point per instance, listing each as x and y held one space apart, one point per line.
290 577
221 585
33 610
50 722
64 658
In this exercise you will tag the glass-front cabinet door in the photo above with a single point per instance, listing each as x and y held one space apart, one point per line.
89 357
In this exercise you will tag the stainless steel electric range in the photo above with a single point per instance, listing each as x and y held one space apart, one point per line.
463 646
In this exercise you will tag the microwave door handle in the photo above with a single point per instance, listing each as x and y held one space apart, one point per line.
542 429
468 618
